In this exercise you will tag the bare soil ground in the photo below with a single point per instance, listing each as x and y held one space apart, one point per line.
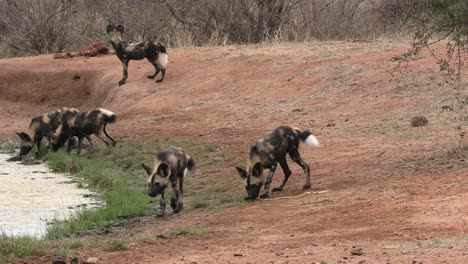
396 194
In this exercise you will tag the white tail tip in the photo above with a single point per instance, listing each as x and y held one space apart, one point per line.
162 59
187 173
312 141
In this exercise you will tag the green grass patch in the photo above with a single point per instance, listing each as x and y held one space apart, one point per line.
213 195
7 147
19 247
117 174
160 118
184 231
116 245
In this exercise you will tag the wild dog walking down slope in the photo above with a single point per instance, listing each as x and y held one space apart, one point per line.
41 126
271 150
82 125
170 166
155 53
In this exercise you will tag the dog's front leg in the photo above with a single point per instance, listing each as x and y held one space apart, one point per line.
162 205
175 195
125 71
266 188
180 195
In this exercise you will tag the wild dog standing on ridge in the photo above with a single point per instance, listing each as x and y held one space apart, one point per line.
40 127
155 53
82 125
170 166
268 152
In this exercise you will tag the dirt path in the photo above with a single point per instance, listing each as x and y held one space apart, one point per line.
396 194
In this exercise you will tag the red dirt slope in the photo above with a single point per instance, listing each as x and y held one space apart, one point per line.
397 193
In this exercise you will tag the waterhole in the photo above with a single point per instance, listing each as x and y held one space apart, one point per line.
31 196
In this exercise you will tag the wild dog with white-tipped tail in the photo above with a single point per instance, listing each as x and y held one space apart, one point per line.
170 166
154 52
83 125
268 152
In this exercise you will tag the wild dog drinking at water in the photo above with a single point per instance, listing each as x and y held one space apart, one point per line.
170 166
81 125
268 152
40 127
155 53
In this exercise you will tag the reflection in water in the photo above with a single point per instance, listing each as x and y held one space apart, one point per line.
30 196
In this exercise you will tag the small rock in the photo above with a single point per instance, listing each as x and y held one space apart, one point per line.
419 121
238 255
58 260
74 260
14 158
90 261
356 252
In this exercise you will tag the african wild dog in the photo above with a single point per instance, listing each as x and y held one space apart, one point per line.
268 152
40 127
155 53
83 125
170 166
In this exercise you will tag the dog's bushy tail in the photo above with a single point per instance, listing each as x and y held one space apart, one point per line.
190 170
308 138
111 117
160 48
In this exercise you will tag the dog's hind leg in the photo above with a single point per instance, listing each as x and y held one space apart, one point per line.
103 139
287 173
163 73
108 136
296 157
125 71
156 71
90 140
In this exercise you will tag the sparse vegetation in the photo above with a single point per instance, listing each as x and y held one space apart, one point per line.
19 247
117 174
73 24
116 245
7 147
183 231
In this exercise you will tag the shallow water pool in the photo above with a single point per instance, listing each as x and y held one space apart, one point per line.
31 196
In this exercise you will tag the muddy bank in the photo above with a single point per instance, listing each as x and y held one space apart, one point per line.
31 196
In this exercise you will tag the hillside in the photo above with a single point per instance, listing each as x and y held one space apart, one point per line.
398 193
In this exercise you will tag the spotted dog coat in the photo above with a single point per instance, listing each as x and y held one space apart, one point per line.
268 152
81 125
170 166
41 126
155 53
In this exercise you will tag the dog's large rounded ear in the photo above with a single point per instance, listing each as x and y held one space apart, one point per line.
147 169
163 170
120 29
257 169
23 136
109 28
242 172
